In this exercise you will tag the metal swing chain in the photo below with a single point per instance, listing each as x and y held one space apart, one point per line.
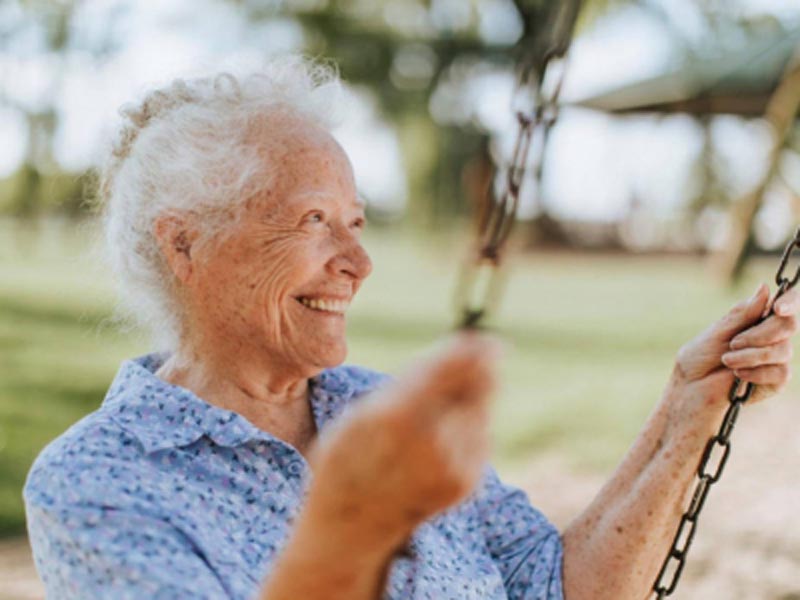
536 108
720 444
480 282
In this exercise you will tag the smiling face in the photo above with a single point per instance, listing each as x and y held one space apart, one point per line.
279 283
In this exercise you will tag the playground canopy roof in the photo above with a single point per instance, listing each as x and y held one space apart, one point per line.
739 82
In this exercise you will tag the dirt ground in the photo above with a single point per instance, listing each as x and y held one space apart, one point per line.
17 576
747 546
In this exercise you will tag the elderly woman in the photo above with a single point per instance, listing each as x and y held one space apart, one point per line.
245 461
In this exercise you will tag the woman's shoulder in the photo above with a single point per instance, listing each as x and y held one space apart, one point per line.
106 434
65 465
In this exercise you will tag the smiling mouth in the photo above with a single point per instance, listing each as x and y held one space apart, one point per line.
330 306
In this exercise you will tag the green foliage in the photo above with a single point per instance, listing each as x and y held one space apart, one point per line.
591 340
55 352
402 52
29 192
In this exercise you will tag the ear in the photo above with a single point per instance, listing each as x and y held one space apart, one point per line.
175 238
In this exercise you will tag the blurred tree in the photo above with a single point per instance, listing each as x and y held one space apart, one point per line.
781 114
38 40
729 61
419 59
726 28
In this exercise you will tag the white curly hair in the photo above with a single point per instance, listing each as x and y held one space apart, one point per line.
192 147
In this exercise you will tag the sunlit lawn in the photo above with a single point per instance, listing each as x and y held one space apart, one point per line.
591 340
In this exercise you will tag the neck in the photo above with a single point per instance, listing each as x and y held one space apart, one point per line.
263 392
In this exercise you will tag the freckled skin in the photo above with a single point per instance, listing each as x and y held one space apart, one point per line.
418 446
371 490
614 549
301 238
251 344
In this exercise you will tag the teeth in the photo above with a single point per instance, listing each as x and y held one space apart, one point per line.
334 306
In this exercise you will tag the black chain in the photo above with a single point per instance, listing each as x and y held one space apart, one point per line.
536 108
480 281
720 446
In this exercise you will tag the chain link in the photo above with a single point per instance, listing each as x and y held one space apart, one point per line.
535 100
716 453
480 281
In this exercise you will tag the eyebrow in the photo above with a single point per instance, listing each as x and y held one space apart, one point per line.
359 202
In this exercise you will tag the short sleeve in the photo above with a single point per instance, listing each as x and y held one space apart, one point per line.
524 545
90 553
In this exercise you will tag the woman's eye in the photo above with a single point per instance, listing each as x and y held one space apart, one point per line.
315 217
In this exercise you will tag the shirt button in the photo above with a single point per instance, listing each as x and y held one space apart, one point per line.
295 468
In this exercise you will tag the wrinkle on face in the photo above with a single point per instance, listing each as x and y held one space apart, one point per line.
244 296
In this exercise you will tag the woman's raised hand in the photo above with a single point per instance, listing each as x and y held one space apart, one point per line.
410 451
737 346
398 457
615 547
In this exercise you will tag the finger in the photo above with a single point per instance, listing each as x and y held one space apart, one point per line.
773 330
747 358
789 303
743 314
462 370
471 364
772 375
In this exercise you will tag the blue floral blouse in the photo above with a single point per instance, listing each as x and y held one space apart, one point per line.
159 494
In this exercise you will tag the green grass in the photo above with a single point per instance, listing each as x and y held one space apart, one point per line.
591 340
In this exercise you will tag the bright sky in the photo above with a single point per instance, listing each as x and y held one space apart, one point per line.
597 165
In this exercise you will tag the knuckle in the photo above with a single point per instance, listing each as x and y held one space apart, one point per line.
783 329
738 307
728 321
763 355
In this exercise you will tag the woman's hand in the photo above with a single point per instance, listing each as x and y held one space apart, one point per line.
414 449
400 456
616 546
735 346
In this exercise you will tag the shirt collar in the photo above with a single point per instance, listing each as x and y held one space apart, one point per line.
162 415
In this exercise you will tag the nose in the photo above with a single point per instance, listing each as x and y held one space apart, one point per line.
352 260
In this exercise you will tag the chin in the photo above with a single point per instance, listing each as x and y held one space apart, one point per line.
337 359
333 356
